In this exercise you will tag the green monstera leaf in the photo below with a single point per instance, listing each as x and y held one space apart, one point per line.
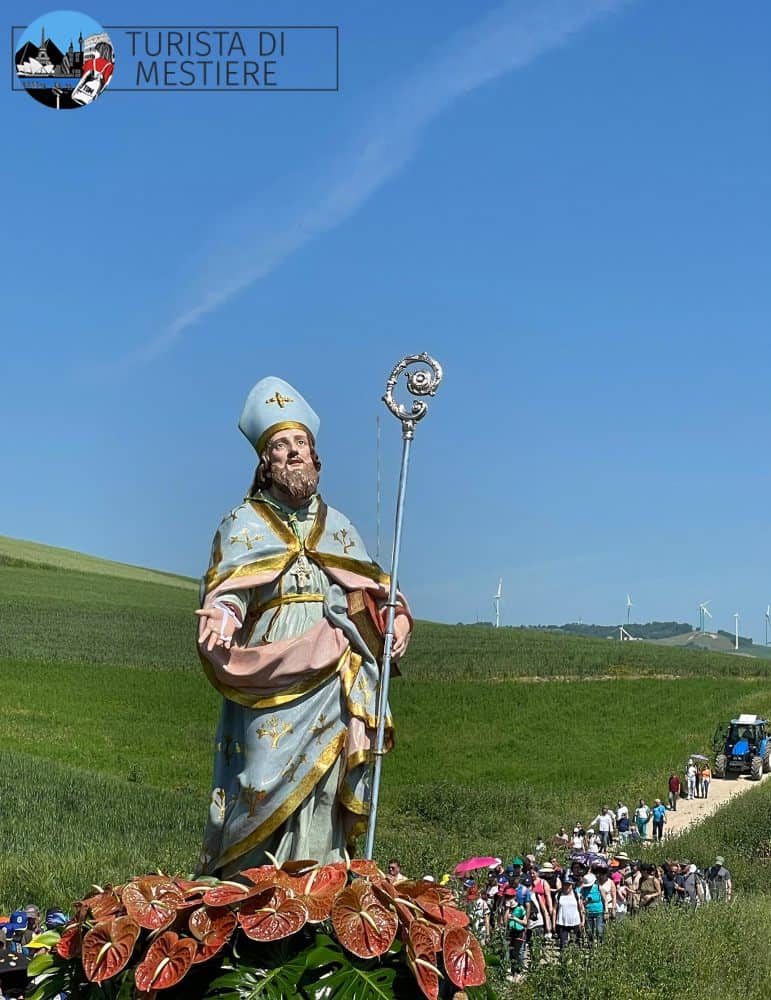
251 983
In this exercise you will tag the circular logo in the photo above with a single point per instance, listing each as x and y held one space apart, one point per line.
64 59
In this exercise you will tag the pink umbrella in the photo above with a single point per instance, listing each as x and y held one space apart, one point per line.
472 864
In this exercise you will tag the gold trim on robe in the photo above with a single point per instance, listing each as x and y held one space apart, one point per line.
325 760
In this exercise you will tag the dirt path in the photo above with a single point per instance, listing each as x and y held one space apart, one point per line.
693 811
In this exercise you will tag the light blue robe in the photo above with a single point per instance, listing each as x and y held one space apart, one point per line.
286 776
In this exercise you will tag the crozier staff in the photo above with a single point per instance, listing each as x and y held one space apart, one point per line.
297 728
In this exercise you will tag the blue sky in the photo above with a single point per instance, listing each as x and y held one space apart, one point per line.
63 26
567 204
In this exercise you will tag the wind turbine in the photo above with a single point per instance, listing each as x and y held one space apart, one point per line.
703 610
736 618
629 607
768 613
497 599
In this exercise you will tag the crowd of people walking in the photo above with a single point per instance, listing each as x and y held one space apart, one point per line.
539 903
533 904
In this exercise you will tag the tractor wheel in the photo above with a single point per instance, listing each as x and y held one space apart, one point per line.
756 768
720 765
767 761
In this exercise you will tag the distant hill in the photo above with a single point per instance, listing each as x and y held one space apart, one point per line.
677 634
717 642
16 552
648 630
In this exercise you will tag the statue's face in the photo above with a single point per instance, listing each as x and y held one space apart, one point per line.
289 449
292 469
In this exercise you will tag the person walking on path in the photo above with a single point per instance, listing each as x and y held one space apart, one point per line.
650 887
594 907
674 791
604 822
622 822
642 816
659 819
690 777
706 777
570 914
719 880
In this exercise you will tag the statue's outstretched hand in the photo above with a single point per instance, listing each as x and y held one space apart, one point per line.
217 626
401 636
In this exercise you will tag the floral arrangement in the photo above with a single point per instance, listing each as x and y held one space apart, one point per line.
299 930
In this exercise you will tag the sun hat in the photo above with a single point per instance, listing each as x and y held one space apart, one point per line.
567 879
547 869
720 860
588 879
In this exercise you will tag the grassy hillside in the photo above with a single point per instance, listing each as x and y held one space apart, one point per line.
16 552
59 615
473 652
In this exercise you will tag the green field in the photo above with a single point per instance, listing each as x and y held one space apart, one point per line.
106 725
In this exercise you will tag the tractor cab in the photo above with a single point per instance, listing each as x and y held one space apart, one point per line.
746 747
745 736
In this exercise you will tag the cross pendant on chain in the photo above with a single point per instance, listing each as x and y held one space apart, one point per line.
302 571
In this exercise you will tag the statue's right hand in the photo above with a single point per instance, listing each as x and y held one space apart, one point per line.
216 627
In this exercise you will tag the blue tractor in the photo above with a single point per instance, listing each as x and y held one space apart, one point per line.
743 747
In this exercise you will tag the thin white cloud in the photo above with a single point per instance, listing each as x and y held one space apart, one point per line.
508 38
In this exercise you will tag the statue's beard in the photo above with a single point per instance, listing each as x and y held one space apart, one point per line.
299 481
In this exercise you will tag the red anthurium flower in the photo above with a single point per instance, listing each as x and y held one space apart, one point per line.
69 944
227 893
463 958
191 889
434 903
362 923
359 866
261 874
421 958
365 868
427 935
107 948
389 895
152 903
317 891
211 928
272 916
167 960
104 904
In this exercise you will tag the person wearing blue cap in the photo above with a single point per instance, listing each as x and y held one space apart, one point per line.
283 638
